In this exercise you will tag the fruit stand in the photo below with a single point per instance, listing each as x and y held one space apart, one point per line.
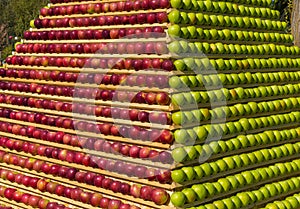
152 104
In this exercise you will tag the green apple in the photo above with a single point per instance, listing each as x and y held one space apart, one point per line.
201 133
259 195
218 187
229 162
199 172
191 152
270 172
245 199
233 181
265 192
174 31
285 186
174 16
293 201
184 18
252 158
178 176
210 206
248 177
207 169
178 199
200 18
179 154
259 156
245 159
236 143
236 201
175 47
176 4
211 190
219 204
190 195
179 65
200 191
225 183
256 175
189 172
252 196
272 190
238 161
222 165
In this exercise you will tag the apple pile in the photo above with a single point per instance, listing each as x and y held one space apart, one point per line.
196 105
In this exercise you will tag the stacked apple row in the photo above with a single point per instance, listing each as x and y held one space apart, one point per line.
194 98
221 20
46 185
257 196
94 181
149 98
152 81
198 193
234 128
193 32
225 148
229 7
290 202
140 18
83 142
197 49
252 109
141 80
57 34
103 7
210 66
29 200
154 64
216 80
105 48
83 111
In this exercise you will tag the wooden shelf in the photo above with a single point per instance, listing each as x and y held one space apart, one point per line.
90 169
90 188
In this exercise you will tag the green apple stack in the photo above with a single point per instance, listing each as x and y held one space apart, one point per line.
236 105
154 104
